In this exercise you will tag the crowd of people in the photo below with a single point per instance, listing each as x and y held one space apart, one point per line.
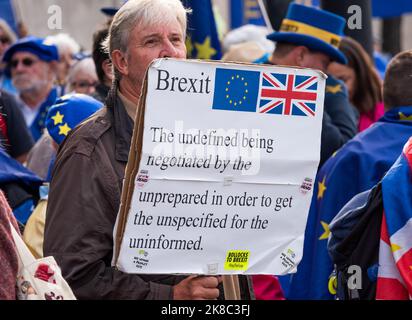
66 123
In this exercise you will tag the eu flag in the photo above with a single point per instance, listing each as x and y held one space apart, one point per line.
202 41
236 90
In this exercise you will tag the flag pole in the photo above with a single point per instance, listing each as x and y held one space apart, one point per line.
265 15
231 287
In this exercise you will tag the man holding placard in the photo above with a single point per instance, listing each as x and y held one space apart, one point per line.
89 170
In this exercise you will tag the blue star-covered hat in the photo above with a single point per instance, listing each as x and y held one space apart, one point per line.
67 112
319 30
34 45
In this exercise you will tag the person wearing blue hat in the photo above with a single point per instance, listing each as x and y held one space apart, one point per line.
32 64
66 113
310 37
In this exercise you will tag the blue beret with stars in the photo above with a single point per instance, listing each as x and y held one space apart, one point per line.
67 112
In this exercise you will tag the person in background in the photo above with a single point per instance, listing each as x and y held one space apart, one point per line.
88 174
309 38
248 33
82 77
63 116
32 66
9 260
250 51
362 81
15 137
67 48
103 65
357 166
7 38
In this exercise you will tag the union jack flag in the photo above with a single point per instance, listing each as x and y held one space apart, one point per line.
288 94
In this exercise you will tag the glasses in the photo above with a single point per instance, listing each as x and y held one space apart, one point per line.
27 62
4 40
84 84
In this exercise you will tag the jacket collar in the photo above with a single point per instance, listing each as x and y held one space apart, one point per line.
123 128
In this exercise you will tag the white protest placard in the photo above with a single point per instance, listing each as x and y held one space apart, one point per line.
228 161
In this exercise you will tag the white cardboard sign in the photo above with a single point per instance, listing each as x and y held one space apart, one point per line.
228 163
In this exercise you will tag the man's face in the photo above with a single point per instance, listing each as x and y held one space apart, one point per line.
149 43
63 67
29 72
84 82
315 60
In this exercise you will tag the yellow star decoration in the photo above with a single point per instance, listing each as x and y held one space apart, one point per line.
189 47
205 50
326 233
332 285
58 118
64 129
395 247
334 89
321 188
403 117
245 90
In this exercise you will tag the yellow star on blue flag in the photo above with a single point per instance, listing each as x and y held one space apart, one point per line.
202 37
64 129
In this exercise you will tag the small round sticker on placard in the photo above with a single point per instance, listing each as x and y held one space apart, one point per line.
142 178
306 186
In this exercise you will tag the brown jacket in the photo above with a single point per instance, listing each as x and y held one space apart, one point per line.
83 203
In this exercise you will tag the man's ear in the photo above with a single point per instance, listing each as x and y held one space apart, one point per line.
120 62
300 53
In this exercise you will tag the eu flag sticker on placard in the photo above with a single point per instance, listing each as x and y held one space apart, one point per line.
236 90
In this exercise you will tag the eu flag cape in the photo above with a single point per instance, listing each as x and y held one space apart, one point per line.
356 167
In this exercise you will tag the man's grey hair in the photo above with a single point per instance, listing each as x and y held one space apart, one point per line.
144 13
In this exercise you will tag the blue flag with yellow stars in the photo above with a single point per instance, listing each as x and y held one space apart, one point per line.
202 41
238 90
356 167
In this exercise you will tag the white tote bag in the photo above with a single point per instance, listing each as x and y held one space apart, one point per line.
39 279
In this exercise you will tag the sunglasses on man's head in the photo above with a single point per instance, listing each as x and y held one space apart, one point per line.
27 62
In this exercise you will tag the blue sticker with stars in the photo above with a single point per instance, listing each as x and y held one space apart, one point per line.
236 90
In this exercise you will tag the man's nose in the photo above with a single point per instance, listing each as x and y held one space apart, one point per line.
168 50
19 68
